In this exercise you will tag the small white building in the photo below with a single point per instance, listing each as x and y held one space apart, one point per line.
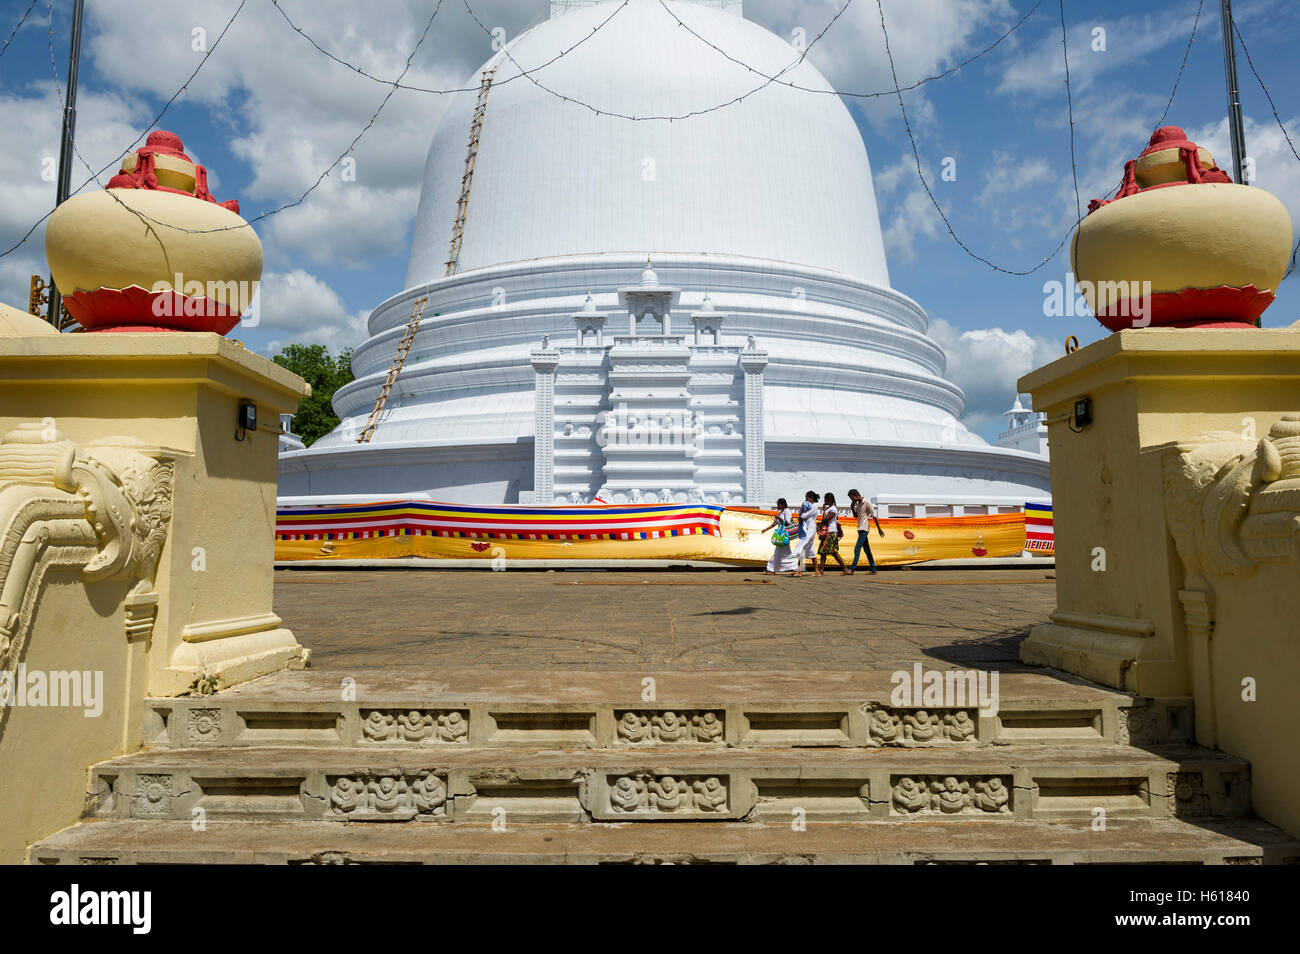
1026 430
289 441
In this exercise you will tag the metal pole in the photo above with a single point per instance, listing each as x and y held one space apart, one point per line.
1235 125
69 131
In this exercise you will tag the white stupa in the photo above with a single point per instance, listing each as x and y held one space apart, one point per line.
697 309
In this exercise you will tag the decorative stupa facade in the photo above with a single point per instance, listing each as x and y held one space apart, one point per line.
627 310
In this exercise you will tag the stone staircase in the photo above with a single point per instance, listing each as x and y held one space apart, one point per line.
546 767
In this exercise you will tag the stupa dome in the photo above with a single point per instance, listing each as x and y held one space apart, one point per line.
782 175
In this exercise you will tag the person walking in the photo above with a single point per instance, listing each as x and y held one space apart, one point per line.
808 514
865 513
782 525
828 531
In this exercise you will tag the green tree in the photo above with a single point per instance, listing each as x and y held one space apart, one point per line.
325 374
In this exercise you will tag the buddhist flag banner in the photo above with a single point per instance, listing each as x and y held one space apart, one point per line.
418 518
427 530
1039 535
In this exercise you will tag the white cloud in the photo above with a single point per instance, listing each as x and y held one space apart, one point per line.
1276 167
986 363
293 112
924 38
1040 70
296 306
914 217
29 163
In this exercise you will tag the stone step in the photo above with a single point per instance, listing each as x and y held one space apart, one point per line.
978 841
499 709
466 784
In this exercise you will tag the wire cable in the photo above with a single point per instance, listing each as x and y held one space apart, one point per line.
425 89
1182 66
675 118
1069 100
319 179
18 26
347 64
153 122
856 95
916 155
1280 125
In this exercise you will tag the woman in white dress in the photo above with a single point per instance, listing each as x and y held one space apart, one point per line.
783 557
806 546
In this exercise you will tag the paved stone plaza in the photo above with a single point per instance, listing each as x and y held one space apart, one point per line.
733 620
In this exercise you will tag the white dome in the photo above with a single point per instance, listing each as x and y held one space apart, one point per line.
781 176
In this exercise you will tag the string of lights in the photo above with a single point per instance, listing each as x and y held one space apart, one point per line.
897 90
425 89
152 123
1069 101
856 95
759 73
916 155
1267 95
58 86
1280 125
1196 21
1173 92
301 198
1073 164
668 118
18 26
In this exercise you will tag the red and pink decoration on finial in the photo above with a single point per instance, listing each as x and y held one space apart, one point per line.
1181 245
194 266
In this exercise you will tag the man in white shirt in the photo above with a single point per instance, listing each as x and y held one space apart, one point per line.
862 509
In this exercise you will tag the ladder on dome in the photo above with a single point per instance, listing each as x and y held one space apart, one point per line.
471 158
408 338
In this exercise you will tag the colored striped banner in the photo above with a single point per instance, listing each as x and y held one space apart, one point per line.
421 518
1040 534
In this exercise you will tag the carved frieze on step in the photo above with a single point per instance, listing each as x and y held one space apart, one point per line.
667 794
153 796
950 795
648 727
1187 794
392 797
414 725
203 726
1138 725
921 726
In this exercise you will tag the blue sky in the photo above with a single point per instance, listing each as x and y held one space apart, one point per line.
268 113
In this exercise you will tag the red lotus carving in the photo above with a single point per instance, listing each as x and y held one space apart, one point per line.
1222 307
138 309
